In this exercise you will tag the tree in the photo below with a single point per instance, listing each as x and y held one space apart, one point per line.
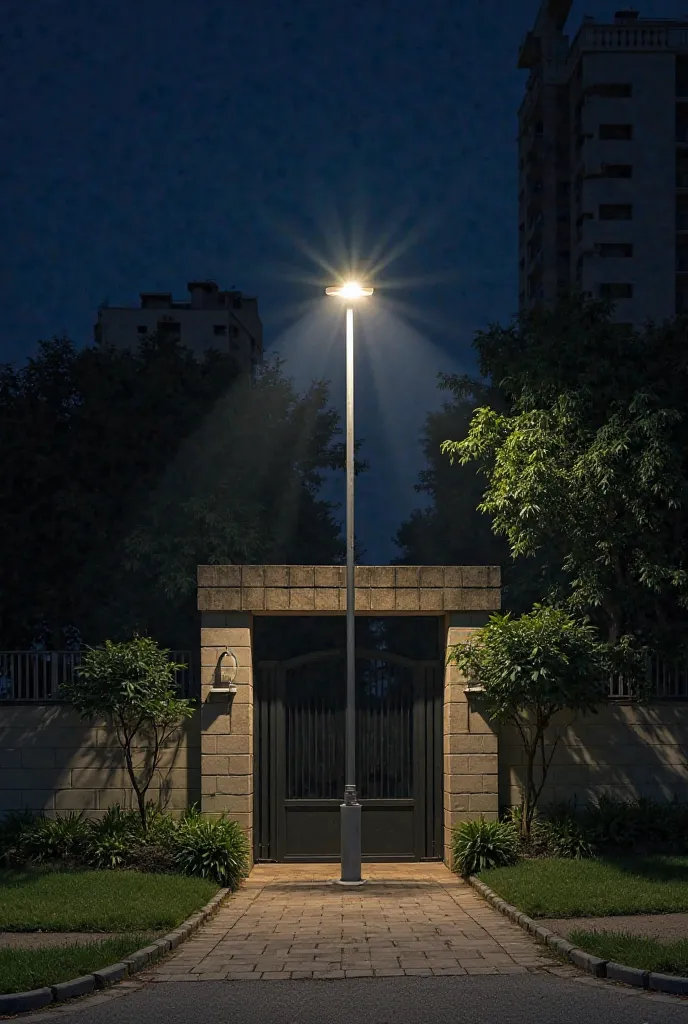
587 466
538 665
451 530
131 685
124 469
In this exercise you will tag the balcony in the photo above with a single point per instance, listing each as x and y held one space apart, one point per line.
615 39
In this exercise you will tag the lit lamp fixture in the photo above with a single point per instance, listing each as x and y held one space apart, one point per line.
351 808
350 290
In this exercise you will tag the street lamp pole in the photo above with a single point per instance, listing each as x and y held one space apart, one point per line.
351 808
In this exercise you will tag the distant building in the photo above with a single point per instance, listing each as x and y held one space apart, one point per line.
603 163
225 320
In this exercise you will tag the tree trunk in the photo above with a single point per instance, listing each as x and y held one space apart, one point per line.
528 805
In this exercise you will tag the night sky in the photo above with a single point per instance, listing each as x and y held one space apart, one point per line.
146 143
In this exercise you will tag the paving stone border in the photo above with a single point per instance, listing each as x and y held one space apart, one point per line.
668 983
38 998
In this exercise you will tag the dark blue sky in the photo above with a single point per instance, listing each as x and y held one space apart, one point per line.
148 142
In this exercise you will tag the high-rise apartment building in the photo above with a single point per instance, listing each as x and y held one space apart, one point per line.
603 163
224 320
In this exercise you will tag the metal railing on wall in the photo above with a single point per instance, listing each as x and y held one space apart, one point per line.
668 681
36 676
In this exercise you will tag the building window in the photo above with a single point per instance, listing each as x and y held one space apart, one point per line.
617 171
616 211
219 328
142 329
681 76
682 215
236 303
614 90
620 250
614 290
616 131
169 329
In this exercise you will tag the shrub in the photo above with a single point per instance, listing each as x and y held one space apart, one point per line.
212 849
567 839
628 823
51 839
478 845
192 844
12 828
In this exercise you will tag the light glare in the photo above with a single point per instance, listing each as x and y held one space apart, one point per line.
350 290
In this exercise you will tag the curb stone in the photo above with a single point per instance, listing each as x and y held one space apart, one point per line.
107 976
586 961
628 975
669 983
37 999
72 989
594 965
20 1002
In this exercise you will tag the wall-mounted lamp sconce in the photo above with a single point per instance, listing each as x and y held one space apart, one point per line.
225 673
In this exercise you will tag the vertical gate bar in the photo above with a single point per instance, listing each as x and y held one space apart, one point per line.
280 766
258 774
438 690
383 700
418 781
429 781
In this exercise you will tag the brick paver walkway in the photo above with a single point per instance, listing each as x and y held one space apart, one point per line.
288 921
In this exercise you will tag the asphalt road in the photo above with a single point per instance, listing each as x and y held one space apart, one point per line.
516 999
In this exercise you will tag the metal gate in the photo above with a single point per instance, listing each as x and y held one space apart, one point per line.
299 756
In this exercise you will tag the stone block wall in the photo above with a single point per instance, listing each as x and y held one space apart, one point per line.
52 762
626 751
321 589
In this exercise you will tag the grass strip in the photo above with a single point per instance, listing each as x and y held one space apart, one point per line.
635 950
25 969
105 901
594 888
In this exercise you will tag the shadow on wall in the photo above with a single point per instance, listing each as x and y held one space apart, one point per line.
53 762
625 751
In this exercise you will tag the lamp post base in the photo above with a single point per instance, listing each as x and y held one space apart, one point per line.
351 843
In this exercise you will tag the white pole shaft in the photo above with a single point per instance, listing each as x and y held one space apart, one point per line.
350 780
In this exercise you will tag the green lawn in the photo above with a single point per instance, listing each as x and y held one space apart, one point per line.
98 901
634 951
589 888
24 969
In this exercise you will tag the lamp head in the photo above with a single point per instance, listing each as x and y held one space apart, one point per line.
351 290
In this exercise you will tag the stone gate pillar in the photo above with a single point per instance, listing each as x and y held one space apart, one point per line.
227 720
471 757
